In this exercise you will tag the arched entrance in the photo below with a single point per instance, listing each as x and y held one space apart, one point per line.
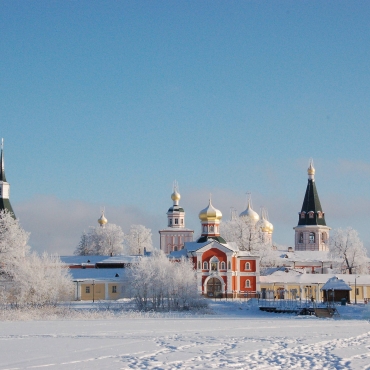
214 287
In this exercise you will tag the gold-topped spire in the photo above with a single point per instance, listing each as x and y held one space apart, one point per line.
102 220
311 170
175 196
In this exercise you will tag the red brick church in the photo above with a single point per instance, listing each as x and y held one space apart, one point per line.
222 269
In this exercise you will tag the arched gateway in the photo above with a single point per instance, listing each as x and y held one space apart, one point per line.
214 287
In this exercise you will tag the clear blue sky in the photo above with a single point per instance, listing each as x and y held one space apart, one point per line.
106 103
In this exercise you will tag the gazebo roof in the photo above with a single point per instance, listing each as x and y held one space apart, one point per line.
336 284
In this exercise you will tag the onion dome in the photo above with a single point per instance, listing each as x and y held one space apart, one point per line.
175 196
311 169
210 213
102 220
249 213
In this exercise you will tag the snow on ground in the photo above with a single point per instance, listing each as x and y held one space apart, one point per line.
236 336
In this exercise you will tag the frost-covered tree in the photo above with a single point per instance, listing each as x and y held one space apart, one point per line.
248 236
346 245
105 241
138 240
25 277
158 283
41 280
13 243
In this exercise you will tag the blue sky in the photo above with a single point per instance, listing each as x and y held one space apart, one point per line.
106 103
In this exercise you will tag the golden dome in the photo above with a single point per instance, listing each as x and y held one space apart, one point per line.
311 169
175 196
210 213
249 213
102 220
266 226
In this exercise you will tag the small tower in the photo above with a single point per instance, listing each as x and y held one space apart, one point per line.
311 233
175 235
102 221
210 218
4 185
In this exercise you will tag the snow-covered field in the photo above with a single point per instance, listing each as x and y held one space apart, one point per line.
236 336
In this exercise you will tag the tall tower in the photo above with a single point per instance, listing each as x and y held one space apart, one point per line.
210 218
4 185
311 233
175 235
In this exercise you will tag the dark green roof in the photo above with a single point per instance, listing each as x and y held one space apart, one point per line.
2 170
203 239
5 204
311 202
176 209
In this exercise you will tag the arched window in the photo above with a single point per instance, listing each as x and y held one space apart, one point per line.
214 263
310 214
175 248
223 265
300 238
229 265
204 229
323 237
247 266
247 284
205 265
312 238
170 221
211 228
199 265
303 214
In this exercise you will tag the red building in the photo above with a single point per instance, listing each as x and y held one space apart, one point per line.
222 269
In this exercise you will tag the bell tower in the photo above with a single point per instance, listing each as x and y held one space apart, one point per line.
4 185
175 235
311 233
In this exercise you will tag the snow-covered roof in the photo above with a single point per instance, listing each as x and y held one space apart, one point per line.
121 259
305 256
294 276
336 284
178 254
77 260
98 274
194 246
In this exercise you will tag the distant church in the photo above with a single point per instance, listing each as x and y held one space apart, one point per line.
4 185
311 233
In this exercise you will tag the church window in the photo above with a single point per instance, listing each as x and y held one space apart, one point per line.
229 265
247 266
87 290
247 283
310 214
300 238
323 237
319 214
211 228
114 288
199 265
182 221
205 265
170 221
214 266
303 214
312 238
223 266
176 221
175 248
204 229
